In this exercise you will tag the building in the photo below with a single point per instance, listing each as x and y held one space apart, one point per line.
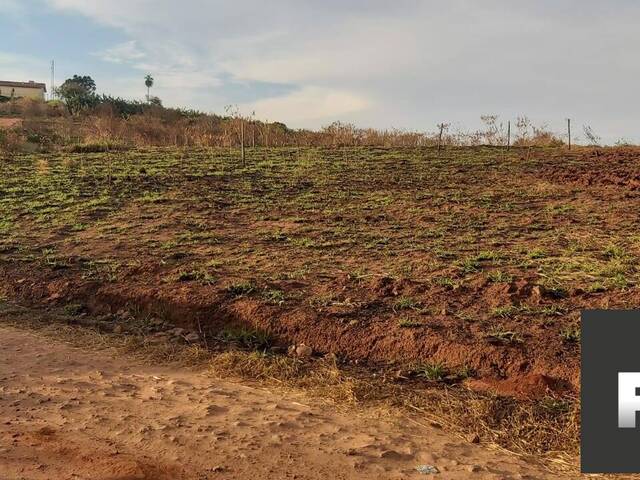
28 89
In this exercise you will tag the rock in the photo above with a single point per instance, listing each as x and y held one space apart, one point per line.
474 468
192 337
391 454
427 469
303 351
118 329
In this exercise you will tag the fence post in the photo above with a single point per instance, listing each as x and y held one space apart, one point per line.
242 140
440 136
569 131
509 135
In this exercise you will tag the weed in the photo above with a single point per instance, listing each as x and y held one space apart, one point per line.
570 334
446 282
73 309
470 265
596 287
277 236
201 276
614 252
246 338
506 311
274 296
432 371
409 323
241 288
498 276
465 372
536 254
499 335
406 303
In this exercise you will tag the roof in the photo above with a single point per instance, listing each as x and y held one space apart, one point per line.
23 85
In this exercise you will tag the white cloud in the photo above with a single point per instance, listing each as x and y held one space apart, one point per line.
122 53
308 106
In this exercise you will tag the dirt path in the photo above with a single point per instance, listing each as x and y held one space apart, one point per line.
66 413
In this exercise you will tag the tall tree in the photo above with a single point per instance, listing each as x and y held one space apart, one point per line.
78 93
148 81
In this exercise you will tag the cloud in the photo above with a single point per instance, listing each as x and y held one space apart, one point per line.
126 52
308 106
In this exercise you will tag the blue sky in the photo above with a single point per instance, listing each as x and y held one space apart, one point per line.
403 64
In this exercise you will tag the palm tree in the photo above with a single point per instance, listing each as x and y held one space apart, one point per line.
148 81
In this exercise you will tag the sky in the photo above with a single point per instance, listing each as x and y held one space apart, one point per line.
407 64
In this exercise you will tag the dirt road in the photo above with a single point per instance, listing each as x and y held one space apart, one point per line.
66 413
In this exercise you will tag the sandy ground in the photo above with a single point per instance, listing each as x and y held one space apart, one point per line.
66 413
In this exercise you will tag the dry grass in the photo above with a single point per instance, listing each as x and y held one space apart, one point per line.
50 125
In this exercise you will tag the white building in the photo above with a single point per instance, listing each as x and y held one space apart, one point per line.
28 89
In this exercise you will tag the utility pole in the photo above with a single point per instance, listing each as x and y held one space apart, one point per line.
52 94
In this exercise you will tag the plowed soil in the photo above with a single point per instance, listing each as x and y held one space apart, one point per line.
474 261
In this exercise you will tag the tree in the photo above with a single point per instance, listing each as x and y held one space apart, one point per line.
148 81
155 101
78 93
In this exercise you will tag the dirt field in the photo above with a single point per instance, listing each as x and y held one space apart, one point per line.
69 413
469 267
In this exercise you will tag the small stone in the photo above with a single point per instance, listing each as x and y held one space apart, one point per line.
118 329
427 469
474 468
303 351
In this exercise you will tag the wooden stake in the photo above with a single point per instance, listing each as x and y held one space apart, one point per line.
509 135
242 141
253 135
569 131
440 136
